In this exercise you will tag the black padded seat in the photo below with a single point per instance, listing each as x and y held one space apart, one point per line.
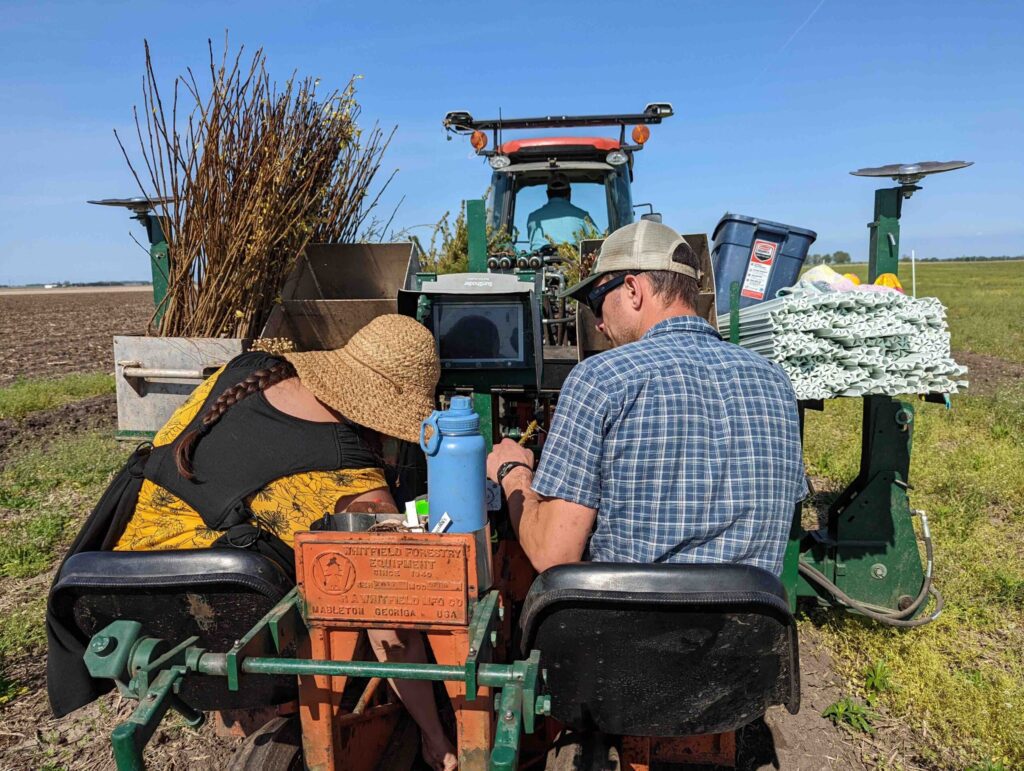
662 650
216 594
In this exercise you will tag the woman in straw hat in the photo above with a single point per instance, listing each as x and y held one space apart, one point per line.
269 444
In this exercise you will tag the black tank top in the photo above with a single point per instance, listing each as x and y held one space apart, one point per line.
251 445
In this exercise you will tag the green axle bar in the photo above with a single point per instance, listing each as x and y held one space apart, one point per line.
488 675
146 670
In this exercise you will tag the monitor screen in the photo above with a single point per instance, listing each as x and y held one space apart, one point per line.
479 333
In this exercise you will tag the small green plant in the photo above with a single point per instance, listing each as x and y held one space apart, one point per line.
991 764
849 714
878 678
10 690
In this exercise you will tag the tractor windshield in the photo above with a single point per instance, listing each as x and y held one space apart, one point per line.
539 205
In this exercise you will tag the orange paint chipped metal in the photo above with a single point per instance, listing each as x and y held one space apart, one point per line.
377 578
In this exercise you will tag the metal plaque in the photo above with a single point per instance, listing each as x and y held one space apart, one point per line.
383 578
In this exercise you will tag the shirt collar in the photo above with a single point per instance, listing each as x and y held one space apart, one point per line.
682 324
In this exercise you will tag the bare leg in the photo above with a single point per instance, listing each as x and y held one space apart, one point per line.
417 695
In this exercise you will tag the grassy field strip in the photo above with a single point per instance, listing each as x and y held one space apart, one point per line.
958 684
42 490
44 495
25 396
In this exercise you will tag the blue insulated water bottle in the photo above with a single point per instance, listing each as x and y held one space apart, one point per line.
456 469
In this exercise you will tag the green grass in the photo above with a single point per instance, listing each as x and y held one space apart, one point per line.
22 633
26 396
22 630
43 490
985 301
959 682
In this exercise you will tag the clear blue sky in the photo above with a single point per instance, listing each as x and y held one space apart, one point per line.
775 103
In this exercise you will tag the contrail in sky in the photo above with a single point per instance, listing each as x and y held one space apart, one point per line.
789 40
806 22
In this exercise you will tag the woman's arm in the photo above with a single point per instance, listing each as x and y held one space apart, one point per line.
374 501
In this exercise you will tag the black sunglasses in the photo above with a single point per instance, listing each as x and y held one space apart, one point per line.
595 299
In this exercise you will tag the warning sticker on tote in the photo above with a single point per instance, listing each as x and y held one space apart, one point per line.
762 257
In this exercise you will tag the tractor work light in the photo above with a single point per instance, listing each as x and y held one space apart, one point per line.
499 161
616 158
479 140
640 134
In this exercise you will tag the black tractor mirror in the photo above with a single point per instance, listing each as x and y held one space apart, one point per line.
651 215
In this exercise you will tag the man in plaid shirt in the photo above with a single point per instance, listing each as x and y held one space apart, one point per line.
675 446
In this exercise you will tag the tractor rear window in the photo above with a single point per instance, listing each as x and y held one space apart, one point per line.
591 197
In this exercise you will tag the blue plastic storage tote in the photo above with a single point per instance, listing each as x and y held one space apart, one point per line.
763 256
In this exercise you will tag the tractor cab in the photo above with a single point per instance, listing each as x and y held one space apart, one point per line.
595 186
598 172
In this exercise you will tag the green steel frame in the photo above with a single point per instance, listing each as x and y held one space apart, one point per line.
868 547
145 669
159 259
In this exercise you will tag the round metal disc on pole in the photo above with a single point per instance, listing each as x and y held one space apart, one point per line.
139 204
909 173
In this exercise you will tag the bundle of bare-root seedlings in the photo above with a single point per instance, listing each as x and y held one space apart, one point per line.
243 176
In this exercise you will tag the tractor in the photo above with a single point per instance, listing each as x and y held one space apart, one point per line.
586 666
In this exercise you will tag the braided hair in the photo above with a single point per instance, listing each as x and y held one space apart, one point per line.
258 381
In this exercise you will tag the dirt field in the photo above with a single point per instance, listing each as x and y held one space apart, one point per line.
56 332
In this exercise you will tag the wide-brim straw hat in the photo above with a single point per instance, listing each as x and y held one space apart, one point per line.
383 378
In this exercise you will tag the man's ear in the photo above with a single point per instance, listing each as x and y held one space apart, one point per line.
636 291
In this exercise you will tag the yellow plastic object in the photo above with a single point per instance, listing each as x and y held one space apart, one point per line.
890 280
853 277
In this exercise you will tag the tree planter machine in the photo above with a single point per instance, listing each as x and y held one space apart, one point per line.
585 666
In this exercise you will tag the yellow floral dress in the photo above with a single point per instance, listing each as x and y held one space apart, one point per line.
287 505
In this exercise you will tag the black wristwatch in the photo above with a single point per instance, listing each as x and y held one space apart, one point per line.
505 468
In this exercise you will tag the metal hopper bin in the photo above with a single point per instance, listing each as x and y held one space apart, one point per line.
335 289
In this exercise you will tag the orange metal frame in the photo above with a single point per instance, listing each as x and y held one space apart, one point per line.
351 582
356 581
639 753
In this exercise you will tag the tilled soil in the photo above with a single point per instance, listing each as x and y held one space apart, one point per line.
987 374
40 427
64 332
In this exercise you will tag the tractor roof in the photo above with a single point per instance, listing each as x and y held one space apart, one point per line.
522 150
588 148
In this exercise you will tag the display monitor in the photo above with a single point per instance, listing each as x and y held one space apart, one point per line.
478 334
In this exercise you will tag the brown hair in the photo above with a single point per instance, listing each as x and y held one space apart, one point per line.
672 286
258 381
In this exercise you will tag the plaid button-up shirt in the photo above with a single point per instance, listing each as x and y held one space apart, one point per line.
687 446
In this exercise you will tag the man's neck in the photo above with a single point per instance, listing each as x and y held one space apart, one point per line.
659 315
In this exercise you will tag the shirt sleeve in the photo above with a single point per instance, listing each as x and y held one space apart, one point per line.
570 465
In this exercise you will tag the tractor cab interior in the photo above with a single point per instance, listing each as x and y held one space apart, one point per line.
602 190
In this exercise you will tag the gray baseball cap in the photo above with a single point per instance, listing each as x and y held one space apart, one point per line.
643 245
